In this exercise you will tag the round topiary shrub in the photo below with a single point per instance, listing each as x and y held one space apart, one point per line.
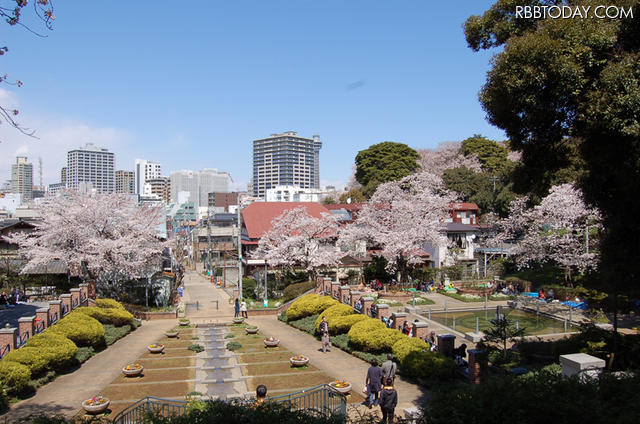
310 304
81 329
333 312
59 350
371 335
343 324
31 357
417 361
13 375
109 303
113 316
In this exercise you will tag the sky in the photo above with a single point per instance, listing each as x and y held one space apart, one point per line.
191 84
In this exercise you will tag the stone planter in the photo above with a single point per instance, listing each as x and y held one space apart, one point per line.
184 322
156 349
171 334
133 372
300 362
251 330
96 409
271 343
238 320
344 390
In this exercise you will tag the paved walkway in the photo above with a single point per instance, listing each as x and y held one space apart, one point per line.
337 363
213 303
65 394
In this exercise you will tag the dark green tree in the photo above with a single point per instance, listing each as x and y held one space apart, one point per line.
383 162
565 85
503 330
492 155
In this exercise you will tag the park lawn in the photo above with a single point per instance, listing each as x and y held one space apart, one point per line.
170 343
258 348
140 390
159 363
169 353
155 375
274 368
294 382
271 356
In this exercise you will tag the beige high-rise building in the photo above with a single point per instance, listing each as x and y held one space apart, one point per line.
22 178
159 187
125 182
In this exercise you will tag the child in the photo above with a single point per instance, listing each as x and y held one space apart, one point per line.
388 401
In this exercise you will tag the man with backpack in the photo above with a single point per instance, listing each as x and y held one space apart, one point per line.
389 368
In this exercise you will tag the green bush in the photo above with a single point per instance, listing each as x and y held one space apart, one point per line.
109 303
4 401
294 290
114 316
84 353
32 357
343 324
417 361
371 335
58 350
15 376
196 348
81 329
333 312
310 304
234 346
113 333
307 324
249 288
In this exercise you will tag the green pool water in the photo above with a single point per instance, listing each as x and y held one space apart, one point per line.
466 321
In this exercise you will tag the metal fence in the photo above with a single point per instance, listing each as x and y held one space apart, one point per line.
137 412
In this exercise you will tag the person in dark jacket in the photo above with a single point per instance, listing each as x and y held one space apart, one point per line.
236 308
388 401
374 383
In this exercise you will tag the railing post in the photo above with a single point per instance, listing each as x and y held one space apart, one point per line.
75 298
55 311
25 328
84 294
42 315
66 303
7 339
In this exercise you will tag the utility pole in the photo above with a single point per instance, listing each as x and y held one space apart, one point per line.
239 252
209 238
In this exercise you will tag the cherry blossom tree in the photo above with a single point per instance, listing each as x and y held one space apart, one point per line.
400 218
447 155
299 239
110 238
556 230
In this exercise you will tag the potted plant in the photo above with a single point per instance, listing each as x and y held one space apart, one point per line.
238 320
271 342
183 321
155 348
340 386
171 333
96 405
132 370
252 329
299 361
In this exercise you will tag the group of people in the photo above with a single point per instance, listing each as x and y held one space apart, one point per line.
380 389
12 298
240 308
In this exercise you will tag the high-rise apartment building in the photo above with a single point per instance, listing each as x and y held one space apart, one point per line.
286 159
91 164
159 187
125 182
22 178
145 170
199 184
63 175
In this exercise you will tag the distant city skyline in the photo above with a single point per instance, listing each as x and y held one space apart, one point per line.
192 90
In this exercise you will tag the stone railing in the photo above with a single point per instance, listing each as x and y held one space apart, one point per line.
14 338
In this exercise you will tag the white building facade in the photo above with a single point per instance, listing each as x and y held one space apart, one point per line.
91 164
198 184
145 170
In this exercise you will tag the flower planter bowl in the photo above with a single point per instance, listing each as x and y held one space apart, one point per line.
171 334
251 330
298 362
184 322
271 343
156 348
238 320
344 390
96 409
133 371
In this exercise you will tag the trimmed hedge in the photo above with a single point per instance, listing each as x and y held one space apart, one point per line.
310 304
59 350
109 303
113 316
343 324
417 361
294 290
14 375
31 357
81 329
371 335
333 312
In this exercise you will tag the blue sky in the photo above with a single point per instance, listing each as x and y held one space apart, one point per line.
191 84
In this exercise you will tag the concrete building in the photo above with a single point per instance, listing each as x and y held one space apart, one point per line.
125 182
159 187
145 170
9 202
223 200
63 175
22 178
199 184
285 159
284 193
55 188
91 164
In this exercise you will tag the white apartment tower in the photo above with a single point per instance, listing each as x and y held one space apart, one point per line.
91 164
22 178
286 159
145 170
199 184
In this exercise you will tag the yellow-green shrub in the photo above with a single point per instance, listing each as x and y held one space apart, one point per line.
81 329
109 303
13 375
113 316
343 324
310 304
58 349
371 335
417 361
31 357
333 312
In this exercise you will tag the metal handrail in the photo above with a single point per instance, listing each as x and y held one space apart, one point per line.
74 303
22 339
136 412
5 350
39 328
53 318
64 309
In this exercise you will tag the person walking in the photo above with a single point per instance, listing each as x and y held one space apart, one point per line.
243 309
389 368
388 401
374 383
324 332
236 307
